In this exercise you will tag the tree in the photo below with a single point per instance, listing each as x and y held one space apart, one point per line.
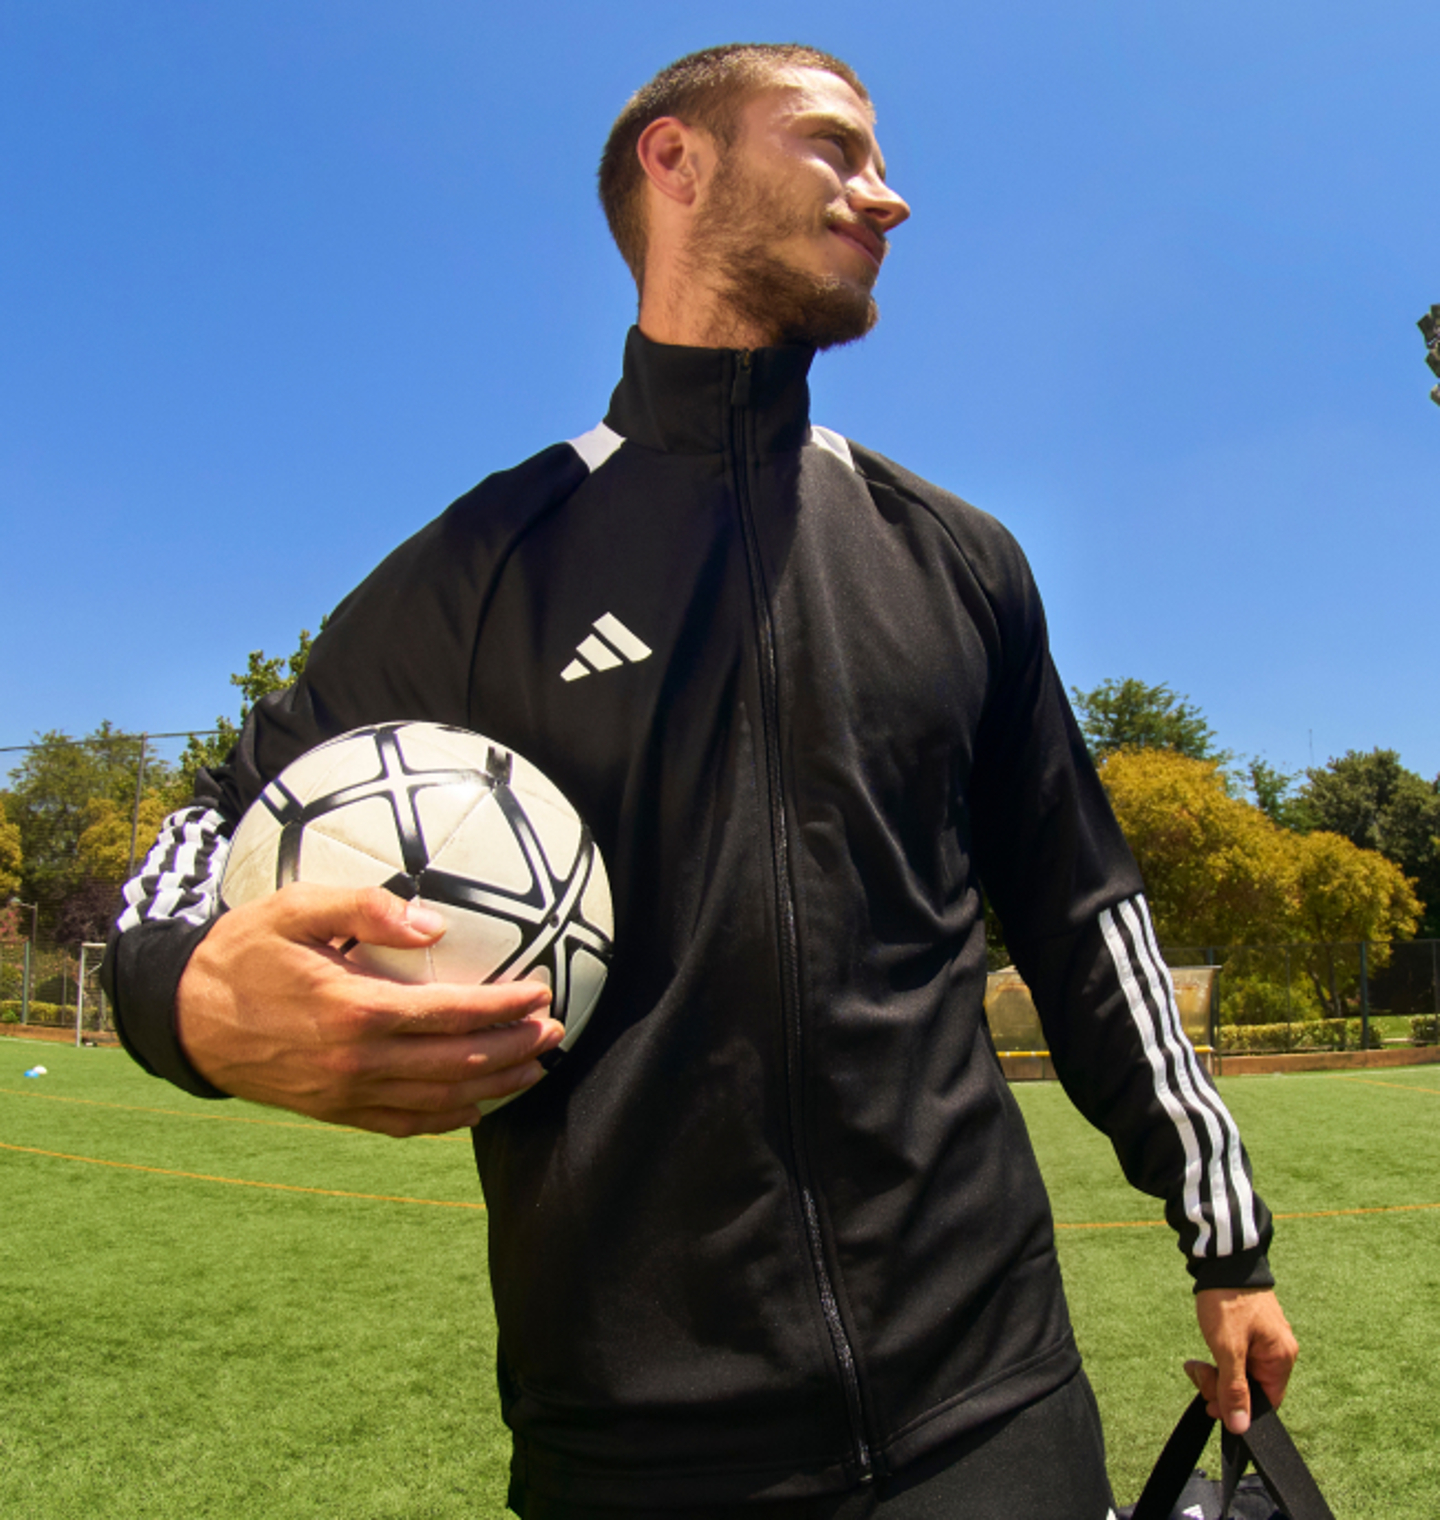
51 790
1128 714
1274 794
1375 803
262 675
10 857
103 849
72 804
1344 895
87 912
1217 870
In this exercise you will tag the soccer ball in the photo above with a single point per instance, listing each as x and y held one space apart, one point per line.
464 824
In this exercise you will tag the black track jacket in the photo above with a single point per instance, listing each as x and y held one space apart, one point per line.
774 1226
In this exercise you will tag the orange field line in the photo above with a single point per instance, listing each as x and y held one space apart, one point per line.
277 1187
440 1203
314 1126
1403 1086
1148 1224
1384 1208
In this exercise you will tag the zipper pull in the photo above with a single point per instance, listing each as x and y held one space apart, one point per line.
740 390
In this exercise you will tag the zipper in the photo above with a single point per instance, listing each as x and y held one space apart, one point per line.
785 906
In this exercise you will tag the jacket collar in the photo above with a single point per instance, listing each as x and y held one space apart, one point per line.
684 400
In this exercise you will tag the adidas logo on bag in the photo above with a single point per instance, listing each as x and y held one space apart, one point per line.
610 645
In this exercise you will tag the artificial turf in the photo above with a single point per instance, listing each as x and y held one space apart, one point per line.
189 1347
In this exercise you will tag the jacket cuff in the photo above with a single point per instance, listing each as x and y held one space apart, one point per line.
141 975
1245 1269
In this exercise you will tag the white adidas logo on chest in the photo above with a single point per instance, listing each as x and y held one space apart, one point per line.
611 644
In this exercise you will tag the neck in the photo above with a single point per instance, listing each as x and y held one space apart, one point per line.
694 316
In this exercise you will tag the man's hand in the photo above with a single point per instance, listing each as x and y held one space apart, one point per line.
1247 1332
269 1010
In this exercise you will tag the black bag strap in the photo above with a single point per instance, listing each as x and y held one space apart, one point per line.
1279 1463
1267 1443
1175 1464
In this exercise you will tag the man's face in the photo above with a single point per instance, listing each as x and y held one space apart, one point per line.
792 230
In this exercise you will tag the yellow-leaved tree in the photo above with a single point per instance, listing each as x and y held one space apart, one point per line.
9 857
1345 895
103 849
1219 873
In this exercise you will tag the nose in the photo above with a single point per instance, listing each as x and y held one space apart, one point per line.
872 197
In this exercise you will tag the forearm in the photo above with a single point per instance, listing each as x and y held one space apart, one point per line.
170 905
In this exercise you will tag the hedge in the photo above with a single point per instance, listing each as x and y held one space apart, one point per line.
1305 1034
40 1013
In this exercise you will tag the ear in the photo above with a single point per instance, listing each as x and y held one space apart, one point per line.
676 158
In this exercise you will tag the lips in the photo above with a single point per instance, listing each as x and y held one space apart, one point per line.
863 236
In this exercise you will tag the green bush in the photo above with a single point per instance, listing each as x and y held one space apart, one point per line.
40 1013
1254 999
1307 1034
1425 1028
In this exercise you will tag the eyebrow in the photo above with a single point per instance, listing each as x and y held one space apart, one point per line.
847 128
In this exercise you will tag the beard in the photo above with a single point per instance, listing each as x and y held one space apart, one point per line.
730 249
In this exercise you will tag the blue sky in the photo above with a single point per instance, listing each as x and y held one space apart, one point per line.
280 280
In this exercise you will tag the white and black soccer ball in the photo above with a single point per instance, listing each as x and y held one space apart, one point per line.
467 826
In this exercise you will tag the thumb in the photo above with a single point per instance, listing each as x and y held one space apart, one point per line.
365 915
1204 1377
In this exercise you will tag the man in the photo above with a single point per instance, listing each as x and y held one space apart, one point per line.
771 1241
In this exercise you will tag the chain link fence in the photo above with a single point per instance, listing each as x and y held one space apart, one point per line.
1265 999
1348 996
53 987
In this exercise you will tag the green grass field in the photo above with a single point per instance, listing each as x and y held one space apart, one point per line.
319 1342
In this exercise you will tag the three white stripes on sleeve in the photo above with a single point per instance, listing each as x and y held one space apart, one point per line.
1214 1172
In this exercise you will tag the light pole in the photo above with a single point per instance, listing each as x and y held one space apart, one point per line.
29 951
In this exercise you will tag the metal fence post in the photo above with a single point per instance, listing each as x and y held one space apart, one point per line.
25 987
1212 1033
1364 996
135 814
80 997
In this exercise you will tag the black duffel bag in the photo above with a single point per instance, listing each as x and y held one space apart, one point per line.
1283 1489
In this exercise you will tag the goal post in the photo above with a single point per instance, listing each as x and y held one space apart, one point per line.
92 952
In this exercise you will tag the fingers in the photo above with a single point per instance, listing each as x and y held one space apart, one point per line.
403 1123
371 915
438 1071
268 1010
421 1076
1273 1352
318 917
1248 1336
399 1124
1232 1392
1205 1378
444 1008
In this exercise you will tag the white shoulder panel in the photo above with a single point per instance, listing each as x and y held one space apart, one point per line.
596 446
827 438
